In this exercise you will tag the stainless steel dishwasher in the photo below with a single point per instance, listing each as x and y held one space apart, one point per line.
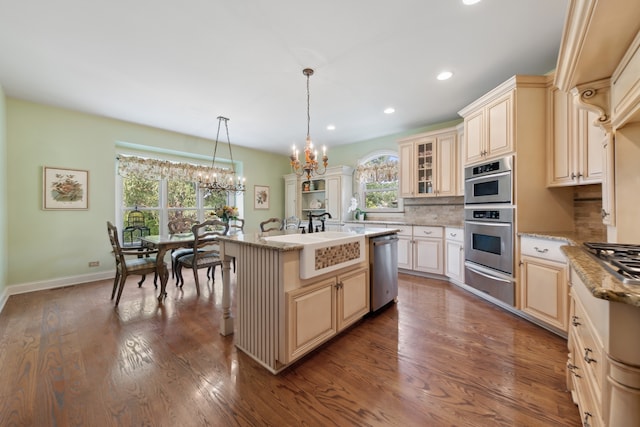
383 258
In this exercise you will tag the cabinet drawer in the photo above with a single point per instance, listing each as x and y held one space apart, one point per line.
543 248
405 230
588 404
425 231
587 347
454 234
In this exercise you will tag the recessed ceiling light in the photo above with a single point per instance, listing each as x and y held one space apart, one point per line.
331 127
389 110
445 75
470 2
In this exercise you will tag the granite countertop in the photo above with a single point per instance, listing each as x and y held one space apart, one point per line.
571 237
598 280
257 239
404 222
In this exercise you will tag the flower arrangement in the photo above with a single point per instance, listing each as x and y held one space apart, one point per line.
227 213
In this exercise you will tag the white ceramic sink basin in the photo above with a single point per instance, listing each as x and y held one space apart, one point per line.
325 251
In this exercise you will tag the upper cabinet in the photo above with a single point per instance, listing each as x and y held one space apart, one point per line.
490 126
323 193
429 164
575 144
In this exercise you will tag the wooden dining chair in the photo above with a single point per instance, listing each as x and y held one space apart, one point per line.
206 250
235 226
291 223
142 264
271 224
176 226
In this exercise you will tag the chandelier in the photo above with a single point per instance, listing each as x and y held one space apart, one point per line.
222 180
310 166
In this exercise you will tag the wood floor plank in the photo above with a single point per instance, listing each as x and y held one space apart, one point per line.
439 357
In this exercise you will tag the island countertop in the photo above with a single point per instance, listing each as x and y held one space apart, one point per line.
258 239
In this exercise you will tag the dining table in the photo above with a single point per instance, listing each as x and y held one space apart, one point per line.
166 242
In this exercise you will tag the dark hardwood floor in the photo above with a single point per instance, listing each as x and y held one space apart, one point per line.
440 357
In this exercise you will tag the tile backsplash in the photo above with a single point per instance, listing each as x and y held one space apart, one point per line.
587 208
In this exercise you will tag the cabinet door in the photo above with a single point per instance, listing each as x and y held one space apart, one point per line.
333 196
474 137
590 148
353 297
446 165
311 317
454 260
405 252
405 169
290 197
608 189
560 147
499 132
544 291
428 256
425 167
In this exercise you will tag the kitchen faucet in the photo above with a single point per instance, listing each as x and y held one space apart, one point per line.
322 220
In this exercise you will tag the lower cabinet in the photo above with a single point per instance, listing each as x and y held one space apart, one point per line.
405 246
454 254
319 311
544 292
427 249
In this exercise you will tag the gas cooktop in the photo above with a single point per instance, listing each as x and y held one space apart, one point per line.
622 260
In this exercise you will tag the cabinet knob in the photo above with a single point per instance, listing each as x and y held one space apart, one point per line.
339 285
574 321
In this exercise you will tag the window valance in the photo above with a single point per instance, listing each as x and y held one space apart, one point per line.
158 169
377 172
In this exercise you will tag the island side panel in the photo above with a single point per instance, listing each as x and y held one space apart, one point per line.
258 297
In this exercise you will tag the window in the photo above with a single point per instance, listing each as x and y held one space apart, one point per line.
377 178
145 185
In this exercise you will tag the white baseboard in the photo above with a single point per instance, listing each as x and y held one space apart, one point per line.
60 282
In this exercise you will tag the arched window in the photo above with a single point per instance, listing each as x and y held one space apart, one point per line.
377 180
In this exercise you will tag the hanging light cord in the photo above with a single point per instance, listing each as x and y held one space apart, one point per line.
220 119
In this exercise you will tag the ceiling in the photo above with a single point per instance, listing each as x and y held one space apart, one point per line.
179 65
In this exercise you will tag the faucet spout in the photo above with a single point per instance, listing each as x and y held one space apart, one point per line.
322 218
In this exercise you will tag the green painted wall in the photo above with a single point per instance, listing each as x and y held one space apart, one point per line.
45 245
3 194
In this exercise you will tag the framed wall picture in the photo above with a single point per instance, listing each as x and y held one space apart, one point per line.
65 189
261 197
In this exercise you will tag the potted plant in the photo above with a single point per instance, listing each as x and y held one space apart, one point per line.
359 215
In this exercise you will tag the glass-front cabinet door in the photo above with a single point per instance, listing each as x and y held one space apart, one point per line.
425 154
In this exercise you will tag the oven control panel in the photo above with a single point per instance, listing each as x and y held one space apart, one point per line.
493 215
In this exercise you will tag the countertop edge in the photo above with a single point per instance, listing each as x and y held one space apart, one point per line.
597 279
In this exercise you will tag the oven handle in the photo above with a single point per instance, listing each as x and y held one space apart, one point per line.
491 176
491 223
487 275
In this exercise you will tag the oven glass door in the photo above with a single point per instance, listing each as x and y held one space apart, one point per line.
495 188
490 244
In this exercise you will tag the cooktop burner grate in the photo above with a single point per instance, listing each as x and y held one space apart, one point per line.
622 260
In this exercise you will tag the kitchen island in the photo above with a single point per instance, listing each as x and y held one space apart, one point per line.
294 292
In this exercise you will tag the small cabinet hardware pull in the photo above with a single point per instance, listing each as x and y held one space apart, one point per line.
572 368
541 251
586 355
453 234
604 214
427 232
520 263
574 321
585 422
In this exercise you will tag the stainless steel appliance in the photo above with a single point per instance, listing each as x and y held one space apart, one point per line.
489 238
489 182
621 260
489 228
383 257
488 243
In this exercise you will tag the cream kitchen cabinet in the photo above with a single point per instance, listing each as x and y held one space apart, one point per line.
429 164
427 249
405 246
329 192
454 254
491 128
575 145
544 293
319 311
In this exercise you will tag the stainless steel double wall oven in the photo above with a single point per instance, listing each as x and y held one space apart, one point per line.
489 229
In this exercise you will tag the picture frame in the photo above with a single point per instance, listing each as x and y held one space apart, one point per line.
261 197
65 189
